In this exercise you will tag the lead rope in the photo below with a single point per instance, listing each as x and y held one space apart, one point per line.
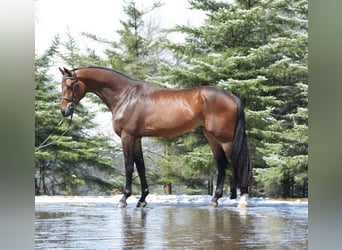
74 94
44 144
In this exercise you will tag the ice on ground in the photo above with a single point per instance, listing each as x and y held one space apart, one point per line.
161 199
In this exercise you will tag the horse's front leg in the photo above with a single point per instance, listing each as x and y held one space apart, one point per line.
128 146
139 162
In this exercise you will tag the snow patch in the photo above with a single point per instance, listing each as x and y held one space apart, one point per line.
161 199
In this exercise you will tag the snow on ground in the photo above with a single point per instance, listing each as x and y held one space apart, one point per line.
161 199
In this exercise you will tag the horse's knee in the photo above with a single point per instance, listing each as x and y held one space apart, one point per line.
129 170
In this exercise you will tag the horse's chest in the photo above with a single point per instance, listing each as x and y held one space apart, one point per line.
125 119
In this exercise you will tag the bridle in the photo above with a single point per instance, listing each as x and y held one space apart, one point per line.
74 95
74 90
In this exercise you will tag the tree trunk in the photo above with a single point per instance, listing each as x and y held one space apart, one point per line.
286 187
210 185
168 188
248 4
42 180
37 191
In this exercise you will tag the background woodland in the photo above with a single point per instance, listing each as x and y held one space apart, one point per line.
257 49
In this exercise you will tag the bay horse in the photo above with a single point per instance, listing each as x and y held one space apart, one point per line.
141 109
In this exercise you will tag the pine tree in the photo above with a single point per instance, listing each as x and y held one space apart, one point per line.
138 54
65 156
258 51
137 51
132 55
44 102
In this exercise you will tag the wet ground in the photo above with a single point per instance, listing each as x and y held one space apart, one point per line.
177 222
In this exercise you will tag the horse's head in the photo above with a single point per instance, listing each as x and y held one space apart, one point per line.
72 91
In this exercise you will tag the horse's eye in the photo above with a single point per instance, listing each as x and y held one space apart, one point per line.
69 87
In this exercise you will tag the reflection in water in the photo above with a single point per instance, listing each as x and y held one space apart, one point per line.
180 226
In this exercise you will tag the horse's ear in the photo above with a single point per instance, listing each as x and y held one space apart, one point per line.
68 72
61 70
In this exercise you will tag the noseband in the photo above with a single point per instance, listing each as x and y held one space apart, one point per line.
74 89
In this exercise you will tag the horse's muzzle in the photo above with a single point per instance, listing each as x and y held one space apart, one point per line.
65 113
68 110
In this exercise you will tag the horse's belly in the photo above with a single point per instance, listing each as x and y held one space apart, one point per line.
169 127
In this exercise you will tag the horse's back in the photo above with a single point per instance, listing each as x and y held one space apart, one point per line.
210 107
213 108
170 112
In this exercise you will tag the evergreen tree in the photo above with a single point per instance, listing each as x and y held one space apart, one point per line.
258 51
132 55
65 156
191 170
138 54
72 55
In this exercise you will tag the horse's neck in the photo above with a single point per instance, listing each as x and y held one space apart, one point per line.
109 86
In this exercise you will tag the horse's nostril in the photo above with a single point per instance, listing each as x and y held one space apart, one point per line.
63 112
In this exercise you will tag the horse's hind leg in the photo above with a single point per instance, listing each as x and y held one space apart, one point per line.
221 162
233 191
139 162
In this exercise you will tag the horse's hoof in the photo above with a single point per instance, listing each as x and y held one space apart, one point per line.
243 201
122 204
142 204
213 204
242 205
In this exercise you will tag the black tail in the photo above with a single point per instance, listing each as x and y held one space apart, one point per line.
240 156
